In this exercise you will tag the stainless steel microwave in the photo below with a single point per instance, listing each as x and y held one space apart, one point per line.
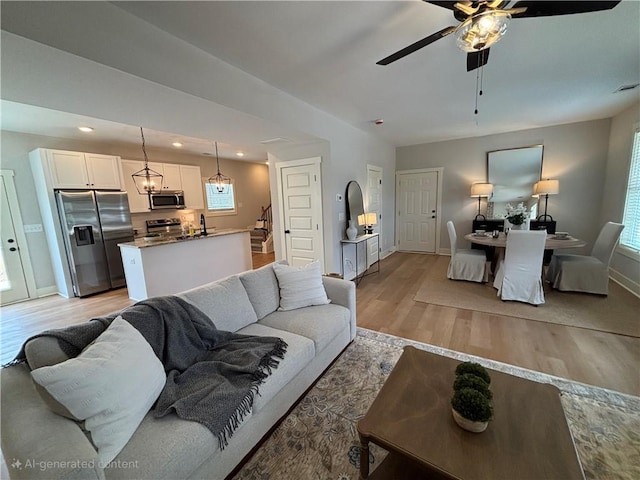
168 199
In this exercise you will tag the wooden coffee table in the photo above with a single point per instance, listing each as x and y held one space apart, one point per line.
528 437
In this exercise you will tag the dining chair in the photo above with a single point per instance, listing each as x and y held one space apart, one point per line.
586 273
466 264
519 275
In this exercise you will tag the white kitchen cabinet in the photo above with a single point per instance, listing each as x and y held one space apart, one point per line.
192 186
170 175
84 170
137 203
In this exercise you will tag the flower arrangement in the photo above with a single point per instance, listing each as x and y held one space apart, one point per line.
516 215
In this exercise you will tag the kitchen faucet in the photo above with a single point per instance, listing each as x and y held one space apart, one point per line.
203 225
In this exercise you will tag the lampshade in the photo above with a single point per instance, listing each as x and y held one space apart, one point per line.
547 187
368 219
481 31
481 190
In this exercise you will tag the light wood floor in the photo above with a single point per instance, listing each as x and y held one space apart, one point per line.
385 303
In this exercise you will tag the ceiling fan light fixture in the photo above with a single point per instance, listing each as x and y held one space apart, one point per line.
481 31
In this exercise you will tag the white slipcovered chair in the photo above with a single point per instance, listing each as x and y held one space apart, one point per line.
586 273
519 275
470 265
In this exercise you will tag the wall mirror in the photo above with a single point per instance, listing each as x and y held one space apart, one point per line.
513 173
355 205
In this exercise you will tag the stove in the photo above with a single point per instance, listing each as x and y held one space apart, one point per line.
167 226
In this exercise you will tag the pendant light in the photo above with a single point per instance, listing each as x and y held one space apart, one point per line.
146 180
219 180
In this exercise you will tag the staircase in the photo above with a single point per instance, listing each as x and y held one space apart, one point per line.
261 235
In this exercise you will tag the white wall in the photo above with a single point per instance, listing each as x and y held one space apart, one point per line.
576 154
626 269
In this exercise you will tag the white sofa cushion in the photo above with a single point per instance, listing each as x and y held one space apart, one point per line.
225 302
300 351
262 288
300 286
111 385
320 323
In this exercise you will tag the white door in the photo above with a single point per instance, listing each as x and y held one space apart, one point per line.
374 194
302 213
13 284
417 195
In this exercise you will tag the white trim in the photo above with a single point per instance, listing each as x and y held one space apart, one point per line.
18 226
47 291
625 282
440 172
628 252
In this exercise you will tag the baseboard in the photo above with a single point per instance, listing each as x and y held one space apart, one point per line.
625 282
388 252
46 291
445 252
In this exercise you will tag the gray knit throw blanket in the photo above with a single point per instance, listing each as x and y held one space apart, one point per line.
212 375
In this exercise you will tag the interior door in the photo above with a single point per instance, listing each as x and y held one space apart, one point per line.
13 284
417 195
302 212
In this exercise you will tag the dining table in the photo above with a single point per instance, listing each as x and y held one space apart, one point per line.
553 242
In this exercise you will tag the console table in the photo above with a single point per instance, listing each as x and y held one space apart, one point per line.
359 255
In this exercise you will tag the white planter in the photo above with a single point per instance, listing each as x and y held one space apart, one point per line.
469 425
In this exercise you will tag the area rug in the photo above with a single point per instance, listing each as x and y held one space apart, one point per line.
318 439
616 313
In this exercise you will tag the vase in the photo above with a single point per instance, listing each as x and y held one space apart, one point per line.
352 231
517 227
469 425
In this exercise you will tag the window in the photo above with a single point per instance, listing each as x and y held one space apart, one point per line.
220 203
630 237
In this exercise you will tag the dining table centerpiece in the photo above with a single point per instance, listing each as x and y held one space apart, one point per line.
516 215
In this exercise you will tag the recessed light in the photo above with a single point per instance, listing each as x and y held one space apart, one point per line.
85 129
239 154
176 144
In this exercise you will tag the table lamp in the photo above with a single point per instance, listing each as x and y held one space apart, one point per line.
481 190
546 187
368 220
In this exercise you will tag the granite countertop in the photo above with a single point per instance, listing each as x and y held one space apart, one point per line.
162 240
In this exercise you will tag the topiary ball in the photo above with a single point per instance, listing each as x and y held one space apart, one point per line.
472 405
474 369
467 380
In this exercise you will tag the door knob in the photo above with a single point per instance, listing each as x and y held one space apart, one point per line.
11 240
433 216
287 231
13 249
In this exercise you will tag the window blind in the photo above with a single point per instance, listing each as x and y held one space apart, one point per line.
631 234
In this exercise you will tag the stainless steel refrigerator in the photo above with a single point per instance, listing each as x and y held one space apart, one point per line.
93 223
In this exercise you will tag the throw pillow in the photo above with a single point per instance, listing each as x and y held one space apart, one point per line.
225 302
262 288
300 286
111 385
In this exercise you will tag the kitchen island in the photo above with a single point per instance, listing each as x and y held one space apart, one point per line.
169 265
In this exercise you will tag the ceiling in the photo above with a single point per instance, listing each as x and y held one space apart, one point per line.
544 71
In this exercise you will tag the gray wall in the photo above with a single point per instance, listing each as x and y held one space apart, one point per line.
576 154
626 267
252 182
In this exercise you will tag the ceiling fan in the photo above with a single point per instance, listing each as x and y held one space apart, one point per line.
485 22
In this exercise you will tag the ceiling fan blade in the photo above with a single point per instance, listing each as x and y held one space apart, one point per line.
447 5
547 9
477 59
416 46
